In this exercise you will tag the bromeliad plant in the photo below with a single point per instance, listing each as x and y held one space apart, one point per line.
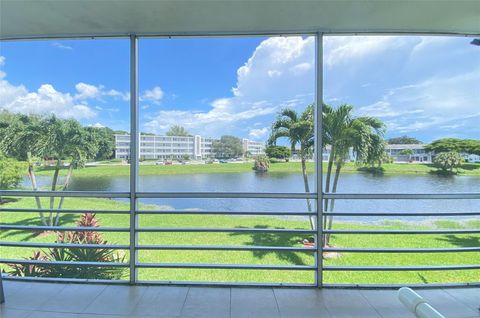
75 254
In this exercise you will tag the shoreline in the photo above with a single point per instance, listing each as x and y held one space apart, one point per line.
468 169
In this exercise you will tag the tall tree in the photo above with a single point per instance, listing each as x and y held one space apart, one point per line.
344 133
177 130
299 130
227 147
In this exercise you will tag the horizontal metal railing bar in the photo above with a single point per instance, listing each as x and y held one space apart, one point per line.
66 211
400 213
225 266
61 263
401 196
401 231
224 212
229 195
225 284
401 250
63 228
226 248
65 280
400 268
224 230
64 245
396 286
88 194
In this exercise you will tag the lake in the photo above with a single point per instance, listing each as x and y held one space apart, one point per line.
291 182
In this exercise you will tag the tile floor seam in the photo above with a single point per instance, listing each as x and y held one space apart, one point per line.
368 302
460 300
230 302
276 302
184 302
88 304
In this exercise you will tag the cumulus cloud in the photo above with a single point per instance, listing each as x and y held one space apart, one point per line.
278 74
153 95
45 100
258 133
89 91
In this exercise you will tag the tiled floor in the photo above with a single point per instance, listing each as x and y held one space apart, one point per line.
36 300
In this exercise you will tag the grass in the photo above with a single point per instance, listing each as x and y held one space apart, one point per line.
262 239
124 170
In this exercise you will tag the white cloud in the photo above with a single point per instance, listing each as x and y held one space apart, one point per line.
86 91
61 46
432 103
153 95
351 49
279 73
2 60
45 100
258 133
89 91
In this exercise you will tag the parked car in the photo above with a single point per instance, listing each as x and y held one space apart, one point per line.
168 163
158 163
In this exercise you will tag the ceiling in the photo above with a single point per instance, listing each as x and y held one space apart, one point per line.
73 18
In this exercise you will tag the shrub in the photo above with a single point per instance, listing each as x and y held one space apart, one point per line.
11 173
262 163
278 152
75 254
447 161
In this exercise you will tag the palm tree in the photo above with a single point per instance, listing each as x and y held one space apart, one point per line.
299 129
363 136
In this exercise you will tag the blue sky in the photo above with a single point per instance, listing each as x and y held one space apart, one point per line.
426 87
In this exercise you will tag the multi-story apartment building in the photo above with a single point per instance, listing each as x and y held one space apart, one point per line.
253 148
399 153
176 147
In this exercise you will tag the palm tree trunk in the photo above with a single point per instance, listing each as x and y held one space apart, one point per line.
332 206
307 189
33 180
65 186
327 187
54 186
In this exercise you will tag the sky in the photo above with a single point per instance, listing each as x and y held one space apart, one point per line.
425 87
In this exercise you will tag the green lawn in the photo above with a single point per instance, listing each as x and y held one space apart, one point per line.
123 170
259 239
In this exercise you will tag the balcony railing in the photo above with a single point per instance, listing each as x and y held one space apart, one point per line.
317 250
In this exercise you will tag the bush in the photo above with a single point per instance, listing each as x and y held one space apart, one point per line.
11 172
75 254
262 163
447 161
278 152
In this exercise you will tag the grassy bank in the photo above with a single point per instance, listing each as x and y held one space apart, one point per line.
123 170
259 239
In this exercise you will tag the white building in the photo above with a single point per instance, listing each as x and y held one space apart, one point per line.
399 153
471 157
176 147
253 148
